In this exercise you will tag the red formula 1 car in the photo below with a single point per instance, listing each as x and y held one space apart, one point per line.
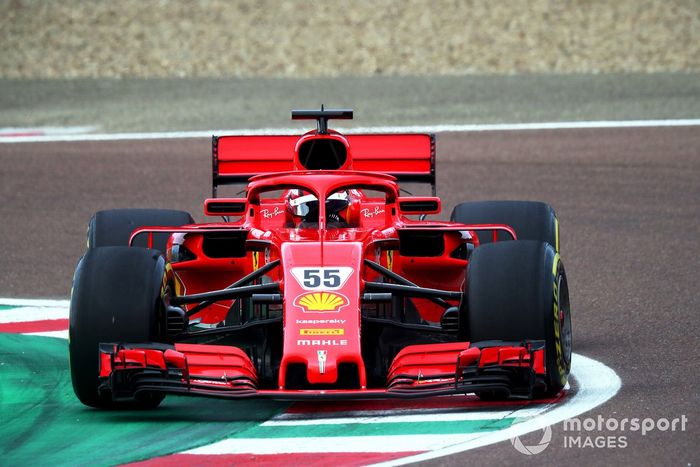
323 282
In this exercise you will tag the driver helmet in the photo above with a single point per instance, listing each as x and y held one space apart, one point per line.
307 205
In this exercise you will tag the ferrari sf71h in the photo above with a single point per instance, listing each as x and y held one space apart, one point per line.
324 281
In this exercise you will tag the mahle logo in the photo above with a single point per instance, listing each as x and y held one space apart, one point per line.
534 449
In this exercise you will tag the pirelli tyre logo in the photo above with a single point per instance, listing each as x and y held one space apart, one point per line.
321 332
321 302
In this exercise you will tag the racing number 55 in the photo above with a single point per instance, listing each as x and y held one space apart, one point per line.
330 278
323 277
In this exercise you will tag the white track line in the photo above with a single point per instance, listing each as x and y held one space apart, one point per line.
436 417
46 130
57 334
35 310
597 383
34 302
443 128
33 313
324 445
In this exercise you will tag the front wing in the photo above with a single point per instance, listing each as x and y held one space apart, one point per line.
510 368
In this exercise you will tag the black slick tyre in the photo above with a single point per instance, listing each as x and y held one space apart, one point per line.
531 220
113 227
117 297
517 291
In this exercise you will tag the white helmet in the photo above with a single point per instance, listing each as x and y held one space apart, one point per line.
306 205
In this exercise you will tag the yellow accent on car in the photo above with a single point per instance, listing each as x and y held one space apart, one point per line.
321 332
321 301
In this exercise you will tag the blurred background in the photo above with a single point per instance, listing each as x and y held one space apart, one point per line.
243 39
135 65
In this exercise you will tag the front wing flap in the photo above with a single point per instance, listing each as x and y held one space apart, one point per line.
511 368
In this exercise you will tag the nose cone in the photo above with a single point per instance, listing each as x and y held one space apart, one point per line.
322 312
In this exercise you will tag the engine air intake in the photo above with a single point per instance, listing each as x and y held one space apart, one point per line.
322 154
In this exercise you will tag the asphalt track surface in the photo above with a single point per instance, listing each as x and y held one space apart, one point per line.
628 201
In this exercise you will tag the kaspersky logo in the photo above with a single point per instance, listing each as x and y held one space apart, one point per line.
321 302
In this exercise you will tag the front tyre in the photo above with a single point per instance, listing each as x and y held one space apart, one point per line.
117 297
517 291
113 227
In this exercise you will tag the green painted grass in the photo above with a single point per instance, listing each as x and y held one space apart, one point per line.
377 429
44 424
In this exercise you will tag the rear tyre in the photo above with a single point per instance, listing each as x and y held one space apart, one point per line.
532 220
517 291
117 297
113 227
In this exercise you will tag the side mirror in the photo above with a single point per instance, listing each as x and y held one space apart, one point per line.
419 205
225 206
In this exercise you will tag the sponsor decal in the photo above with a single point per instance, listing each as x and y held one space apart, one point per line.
390 259
321 321
321 302
435 380
326 278
256 260
321 332
322 360
324 342
369 213
209 381
268 214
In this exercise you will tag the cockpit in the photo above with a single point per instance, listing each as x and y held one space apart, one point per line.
340 203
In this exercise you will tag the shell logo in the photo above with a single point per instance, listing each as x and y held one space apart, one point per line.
321 301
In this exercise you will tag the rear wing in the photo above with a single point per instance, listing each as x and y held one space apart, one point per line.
408 157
